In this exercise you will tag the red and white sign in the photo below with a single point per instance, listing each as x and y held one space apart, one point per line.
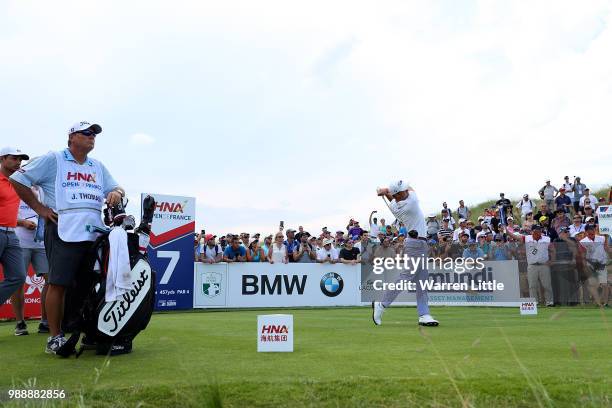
174 217
275 333
33 288
529 308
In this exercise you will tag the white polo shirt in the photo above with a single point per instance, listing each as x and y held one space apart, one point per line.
323 254
409 212
537 251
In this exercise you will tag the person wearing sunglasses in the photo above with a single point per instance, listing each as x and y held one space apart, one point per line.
75 187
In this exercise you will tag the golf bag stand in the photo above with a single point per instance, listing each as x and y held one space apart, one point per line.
110 327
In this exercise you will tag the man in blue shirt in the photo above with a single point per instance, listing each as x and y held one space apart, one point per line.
563 202
234 252
75 187
291 244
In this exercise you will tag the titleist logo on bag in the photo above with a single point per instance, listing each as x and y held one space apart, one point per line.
114 315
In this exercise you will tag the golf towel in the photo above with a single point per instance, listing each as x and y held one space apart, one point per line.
118 279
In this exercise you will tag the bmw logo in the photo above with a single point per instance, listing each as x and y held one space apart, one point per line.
332 284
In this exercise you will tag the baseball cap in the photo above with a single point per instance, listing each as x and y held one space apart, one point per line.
208 237
471 241
431 216
398 186
461 220
587 219
13 152
83 125
290 230
328 241
562 189
339 232
525 195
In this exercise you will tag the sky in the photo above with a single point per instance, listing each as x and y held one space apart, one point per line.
296 111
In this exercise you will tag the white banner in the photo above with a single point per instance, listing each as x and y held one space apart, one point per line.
604 214
245 285
276 285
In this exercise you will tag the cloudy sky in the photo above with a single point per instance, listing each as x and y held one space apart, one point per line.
296 111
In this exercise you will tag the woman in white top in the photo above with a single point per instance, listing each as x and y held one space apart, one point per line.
278 251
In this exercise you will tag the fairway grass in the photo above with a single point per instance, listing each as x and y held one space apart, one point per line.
481 357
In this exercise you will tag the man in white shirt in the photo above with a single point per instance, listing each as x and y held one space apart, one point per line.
569 187
404 205
327 254
525 205
539 253
210 251
549 193
596 251
462 228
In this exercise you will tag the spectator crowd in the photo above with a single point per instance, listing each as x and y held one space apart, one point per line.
555 240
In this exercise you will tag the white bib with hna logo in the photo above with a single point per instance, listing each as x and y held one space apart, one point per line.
537 251
79 197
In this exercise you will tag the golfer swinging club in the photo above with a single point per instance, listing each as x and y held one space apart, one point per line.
404 205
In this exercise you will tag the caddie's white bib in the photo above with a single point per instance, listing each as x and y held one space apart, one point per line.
79 197
537 251
595 250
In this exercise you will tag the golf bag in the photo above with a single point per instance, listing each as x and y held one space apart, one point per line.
110 327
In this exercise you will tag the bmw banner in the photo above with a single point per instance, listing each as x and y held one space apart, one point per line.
171 251
276 285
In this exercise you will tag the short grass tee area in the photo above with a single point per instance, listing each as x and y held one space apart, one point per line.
481 357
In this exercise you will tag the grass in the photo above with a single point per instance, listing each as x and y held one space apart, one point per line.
481 357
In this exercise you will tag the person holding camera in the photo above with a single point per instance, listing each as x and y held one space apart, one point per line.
327 254
75 188
305 252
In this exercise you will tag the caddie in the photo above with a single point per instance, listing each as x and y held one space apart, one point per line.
75 187
404 205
